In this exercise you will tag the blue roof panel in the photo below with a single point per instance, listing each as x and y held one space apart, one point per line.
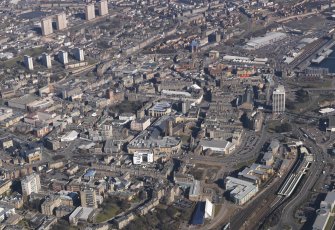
198 214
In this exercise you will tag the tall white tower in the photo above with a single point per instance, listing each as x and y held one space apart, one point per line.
46 60
46 26
28 62
278 100
61 22
79 54
103 7
30 184
89 12
63 57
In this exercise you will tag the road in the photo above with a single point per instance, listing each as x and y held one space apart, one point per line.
248 151
295 17
315 171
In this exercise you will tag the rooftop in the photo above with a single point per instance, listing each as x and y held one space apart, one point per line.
240 188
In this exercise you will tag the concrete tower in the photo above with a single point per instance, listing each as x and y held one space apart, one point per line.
185 107
28 62
61 22
46 26
89 12
103 7
63 57
79 54
46 60
30 184
278 100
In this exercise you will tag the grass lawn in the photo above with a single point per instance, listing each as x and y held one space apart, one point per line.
272 125
185 139
318 84
11 62
198 173
108 212
17 61
127 107
34 51
244 164
311 104
24 223
111 207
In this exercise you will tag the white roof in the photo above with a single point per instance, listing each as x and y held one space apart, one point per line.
195 86
222 144
266 39
180 93
208 209
70 136
230 57
326 110
241 188
288 60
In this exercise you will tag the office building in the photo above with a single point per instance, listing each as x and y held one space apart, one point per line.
46 60
103 7
30 184
46 26
218 146
79 54
80 214
88 198
49 205
268 39
324 214
256 173
61 22
278 100
63 57
28 62
5 186
241 191
54 201
195 191
140 124
140 157
89 12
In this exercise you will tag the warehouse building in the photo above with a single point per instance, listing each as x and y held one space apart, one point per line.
218 146
267 39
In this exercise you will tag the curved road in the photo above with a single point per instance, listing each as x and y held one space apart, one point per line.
313 174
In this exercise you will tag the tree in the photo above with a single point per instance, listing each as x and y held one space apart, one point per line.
290 105
283 128
302 95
